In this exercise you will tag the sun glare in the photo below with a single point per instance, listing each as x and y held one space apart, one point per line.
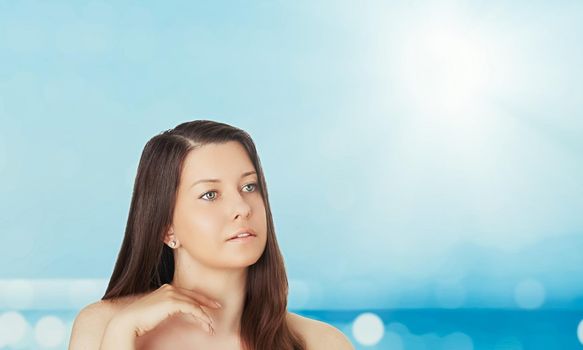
446 69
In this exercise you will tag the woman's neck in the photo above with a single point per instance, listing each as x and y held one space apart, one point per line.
225 286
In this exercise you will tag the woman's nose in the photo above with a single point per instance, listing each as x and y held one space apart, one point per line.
242 208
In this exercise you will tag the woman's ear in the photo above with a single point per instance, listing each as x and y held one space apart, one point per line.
170 239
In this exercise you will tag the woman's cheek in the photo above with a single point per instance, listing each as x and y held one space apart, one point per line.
205 222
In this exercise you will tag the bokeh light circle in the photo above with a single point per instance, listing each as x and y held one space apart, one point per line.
50 331
529 294
393 341
458 341
368 328
12 328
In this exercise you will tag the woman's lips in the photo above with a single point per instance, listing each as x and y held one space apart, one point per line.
242 230
242 239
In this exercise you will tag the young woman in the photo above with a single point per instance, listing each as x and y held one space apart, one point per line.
199 231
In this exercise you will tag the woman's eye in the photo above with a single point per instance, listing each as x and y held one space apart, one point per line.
212 198
252 184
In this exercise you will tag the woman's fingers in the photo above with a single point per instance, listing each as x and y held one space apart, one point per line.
191 302
198 309
147 311
199 315
208 327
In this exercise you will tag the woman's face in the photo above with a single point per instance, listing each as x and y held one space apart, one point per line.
207 214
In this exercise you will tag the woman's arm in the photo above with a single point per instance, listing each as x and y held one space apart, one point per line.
95 328
118 335
101 326
89 326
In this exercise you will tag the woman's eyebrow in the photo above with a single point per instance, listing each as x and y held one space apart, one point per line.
217 180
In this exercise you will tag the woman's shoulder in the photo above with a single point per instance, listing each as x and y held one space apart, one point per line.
107 308
318 334
91 321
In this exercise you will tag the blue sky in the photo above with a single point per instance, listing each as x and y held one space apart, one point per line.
417 155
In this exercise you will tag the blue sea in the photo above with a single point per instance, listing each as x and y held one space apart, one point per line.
409 329
462 329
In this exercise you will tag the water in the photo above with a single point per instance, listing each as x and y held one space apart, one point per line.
404 329
483 328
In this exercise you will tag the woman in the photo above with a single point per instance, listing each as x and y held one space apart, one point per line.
199 231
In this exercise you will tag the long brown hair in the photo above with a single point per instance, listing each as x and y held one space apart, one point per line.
145 263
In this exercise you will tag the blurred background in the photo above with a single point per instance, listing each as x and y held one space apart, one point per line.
423 159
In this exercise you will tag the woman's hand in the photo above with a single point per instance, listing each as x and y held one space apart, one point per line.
145 313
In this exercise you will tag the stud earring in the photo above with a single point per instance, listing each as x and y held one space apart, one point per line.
172 244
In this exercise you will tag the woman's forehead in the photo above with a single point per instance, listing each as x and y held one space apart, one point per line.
225 162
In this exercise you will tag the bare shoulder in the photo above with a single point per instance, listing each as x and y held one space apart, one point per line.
91 321
317 334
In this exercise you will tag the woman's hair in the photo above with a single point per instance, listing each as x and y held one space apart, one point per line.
145 263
